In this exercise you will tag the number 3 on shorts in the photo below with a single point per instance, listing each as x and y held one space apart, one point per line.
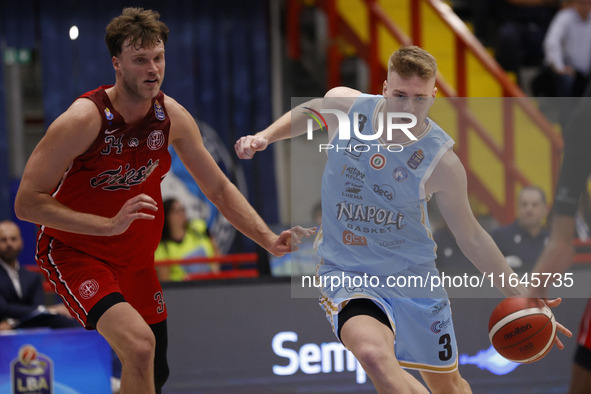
158 297
445 340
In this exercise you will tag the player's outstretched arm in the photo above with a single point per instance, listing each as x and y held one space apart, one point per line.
186 139
449 183
294 123
69 136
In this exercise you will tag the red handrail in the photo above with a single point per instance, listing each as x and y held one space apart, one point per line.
235 259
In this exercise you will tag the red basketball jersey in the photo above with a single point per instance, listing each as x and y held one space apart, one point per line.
124 161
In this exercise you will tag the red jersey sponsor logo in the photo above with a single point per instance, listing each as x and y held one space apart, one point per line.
118 178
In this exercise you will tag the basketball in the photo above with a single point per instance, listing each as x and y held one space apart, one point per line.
520 333
27 354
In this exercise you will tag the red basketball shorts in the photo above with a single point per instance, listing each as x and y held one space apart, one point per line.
82 280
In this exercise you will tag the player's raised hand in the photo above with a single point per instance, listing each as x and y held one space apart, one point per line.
289 240
131 211
247 146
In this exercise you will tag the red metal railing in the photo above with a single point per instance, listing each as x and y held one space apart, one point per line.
465 43
235 260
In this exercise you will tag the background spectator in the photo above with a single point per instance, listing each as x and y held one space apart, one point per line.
522 241
22 299
567 50
183 238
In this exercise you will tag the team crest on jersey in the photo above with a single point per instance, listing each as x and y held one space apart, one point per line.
416 159
377 161
159 111
88 289
108 114
400 174
155 140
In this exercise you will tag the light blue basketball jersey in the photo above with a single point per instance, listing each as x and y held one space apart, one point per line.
374 206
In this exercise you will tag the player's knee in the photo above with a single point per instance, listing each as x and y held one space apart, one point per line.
140 349
372 356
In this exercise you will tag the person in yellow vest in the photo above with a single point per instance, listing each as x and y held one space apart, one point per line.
183 238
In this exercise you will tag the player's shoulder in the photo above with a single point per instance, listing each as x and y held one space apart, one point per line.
342 91
83 113
449 162
341 98
175 110
447 173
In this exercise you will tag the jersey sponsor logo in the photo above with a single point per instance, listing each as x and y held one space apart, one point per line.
88 289
437 326
108 114
133 143
352 173
119 179
385 191
392 245
377 161
352 190
516 331
351 239
400 174
107 132
352 151
369 214
155 140
158 111
439 307
416 159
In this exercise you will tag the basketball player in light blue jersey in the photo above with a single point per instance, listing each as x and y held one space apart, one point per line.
375 223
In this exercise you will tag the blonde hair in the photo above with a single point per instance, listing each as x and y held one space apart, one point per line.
411 60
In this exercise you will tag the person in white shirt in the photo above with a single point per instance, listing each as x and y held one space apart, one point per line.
567 49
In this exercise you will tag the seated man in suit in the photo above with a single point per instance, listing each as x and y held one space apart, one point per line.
21 291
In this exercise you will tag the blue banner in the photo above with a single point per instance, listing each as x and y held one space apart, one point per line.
66 361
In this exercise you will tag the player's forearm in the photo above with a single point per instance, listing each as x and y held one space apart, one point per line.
558 254
238 211
481 250
293 123
43 209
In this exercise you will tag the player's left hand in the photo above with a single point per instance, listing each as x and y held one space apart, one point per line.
289 240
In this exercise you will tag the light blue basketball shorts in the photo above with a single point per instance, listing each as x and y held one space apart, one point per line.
420 318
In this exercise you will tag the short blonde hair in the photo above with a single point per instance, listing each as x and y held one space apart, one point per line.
411 60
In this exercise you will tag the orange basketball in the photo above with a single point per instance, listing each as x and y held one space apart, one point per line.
521 333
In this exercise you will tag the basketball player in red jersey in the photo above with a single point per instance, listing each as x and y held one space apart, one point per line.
93 184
